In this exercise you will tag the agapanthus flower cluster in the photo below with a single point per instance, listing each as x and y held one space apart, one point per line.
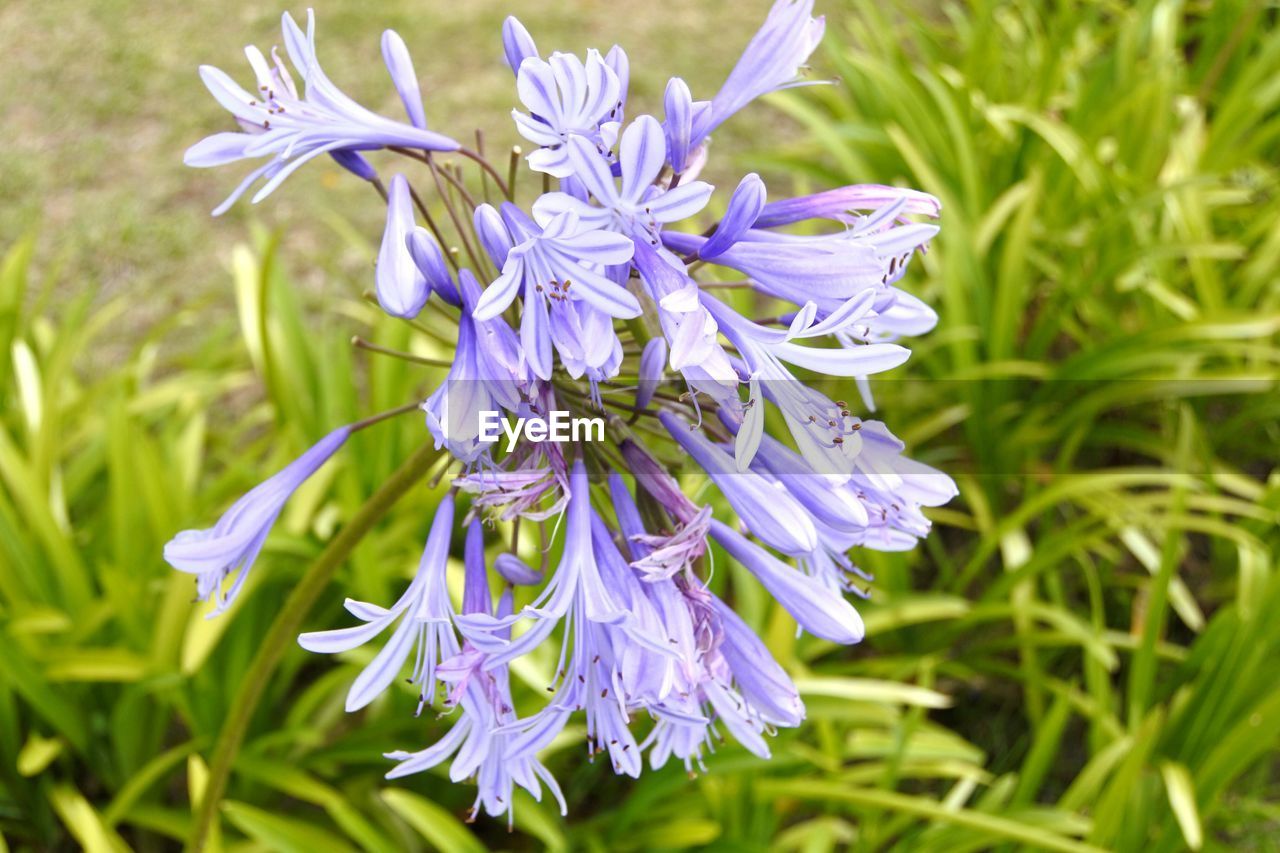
613 294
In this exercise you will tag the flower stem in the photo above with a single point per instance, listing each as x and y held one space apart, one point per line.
360 343
453 214
382 416
431 223
516 153
484 178
488 167
284 630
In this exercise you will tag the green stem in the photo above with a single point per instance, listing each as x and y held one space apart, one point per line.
284 631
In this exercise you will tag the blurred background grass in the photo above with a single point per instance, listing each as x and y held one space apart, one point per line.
1081 657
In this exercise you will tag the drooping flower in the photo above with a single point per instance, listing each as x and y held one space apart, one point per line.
658 557
233 544
667 556
728 676
609 665
533 487
826 497
767 510
478 738
293 128
809 603
895 488
425 615
530 483
652 476
575 585
721 670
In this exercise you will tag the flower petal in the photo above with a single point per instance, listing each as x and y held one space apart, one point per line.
400 66
641 156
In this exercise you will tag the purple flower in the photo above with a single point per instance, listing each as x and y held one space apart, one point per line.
744 208
639 208
483 751
678 124
840 204
427 257
236 540
826 269
488 375
493 233
478 738
626 616
613 640
667 556
291 129
522 490
396 56
724 674
766 508
515 571
531 483
826 497
771 61
895 487
554 265
425 616
822 429
691 332
654 478
576 584
808 601
566 98
640 645
402 288
655 556
585 340
610 667
653 360
617 59
517 44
